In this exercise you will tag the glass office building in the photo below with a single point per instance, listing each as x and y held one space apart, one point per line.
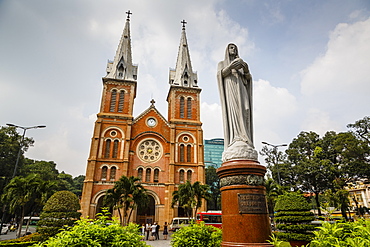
213 152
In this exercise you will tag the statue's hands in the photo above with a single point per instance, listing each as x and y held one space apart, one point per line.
235 66
237 63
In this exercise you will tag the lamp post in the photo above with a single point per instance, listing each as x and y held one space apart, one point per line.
18 156
21 143
276 161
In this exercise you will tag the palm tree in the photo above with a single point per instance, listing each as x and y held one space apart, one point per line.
19 192
44 191
127 193
201 191
189 196
140 199
184 197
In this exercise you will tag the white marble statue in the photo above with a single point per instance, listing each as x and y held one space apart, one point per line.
235 86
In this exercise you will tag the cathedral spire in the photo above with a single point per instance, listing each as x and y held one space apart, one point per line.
183 74
121 67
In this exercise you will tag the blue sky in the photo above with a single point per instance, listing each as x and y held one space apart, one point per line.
309 61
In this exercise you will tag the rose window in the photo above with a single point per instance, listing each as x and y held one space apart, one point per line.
149 151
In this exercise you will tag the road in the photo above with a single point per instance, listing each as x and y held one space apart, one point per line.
12 235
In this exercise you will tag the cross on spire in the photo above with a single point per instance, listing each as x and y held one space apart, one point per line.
183 24
152 101
128 14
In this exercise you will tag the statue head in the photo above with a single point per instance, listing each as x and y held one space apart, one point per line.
231 52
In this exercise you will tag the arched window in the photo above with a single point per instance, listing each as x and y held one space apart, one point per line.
115 149
104 173
121 100
189 175
182 107
156 175
188 107
147 175
140 174
113 171
113 101
188 153
107 148
182 153
182 175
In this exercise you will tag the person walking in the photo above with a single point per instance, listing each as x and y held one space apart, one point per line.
157 232
165 231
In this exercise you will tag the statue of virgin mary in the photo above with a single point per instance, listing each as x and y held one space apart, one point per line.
235 87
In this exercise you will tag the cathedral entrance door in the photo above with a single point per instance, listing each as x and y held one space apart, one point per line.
147 214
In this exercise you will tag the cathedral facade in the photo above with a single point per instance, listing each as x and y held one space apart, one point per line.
162 152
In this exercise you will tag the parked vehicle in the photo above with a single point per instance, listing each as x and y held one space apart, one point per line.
179 222
4 230
213 218
33 220
29 225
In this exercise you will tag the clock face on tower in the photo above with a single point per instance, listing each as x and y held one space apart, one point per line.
149 151
151 122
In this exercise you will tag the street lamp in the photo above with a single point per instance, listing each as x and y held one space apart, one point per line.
18 156
276 161
21 143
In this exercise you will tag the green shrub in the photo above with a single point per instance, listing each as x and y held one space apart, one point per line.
293 218
197 235
291 202
60 211
101 232
348 234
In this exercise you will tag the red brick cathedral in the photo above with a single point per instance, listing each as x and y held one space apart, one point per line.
162 152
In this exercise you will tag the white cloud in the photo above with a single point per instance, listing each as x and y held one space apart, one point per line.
319 122
344 66
275 112
337 82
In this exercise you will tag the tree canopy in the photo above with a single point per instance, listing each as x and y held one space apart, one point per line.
189 196
324 164
49 178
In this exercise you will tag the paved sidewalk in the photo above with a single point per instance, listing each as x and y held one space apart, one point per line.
161 242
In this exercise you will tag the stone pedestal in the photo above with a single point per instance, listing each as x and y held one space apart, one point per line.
245 220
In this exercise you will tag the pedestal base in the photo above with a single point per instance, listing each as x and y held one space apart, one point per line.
245 220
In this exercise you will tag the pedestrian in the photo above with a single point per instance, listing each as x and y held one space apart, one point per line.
148 228
143 229
154 229
157 232
165 231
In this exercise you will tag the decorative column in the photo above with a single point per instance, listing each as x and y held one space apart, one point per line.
245 220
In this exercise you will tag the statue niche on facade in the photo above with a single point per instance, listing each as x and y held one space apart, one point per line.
235 87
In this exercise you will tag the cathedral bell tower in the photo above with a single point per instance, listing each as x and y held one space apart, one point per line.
184 116
109 154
